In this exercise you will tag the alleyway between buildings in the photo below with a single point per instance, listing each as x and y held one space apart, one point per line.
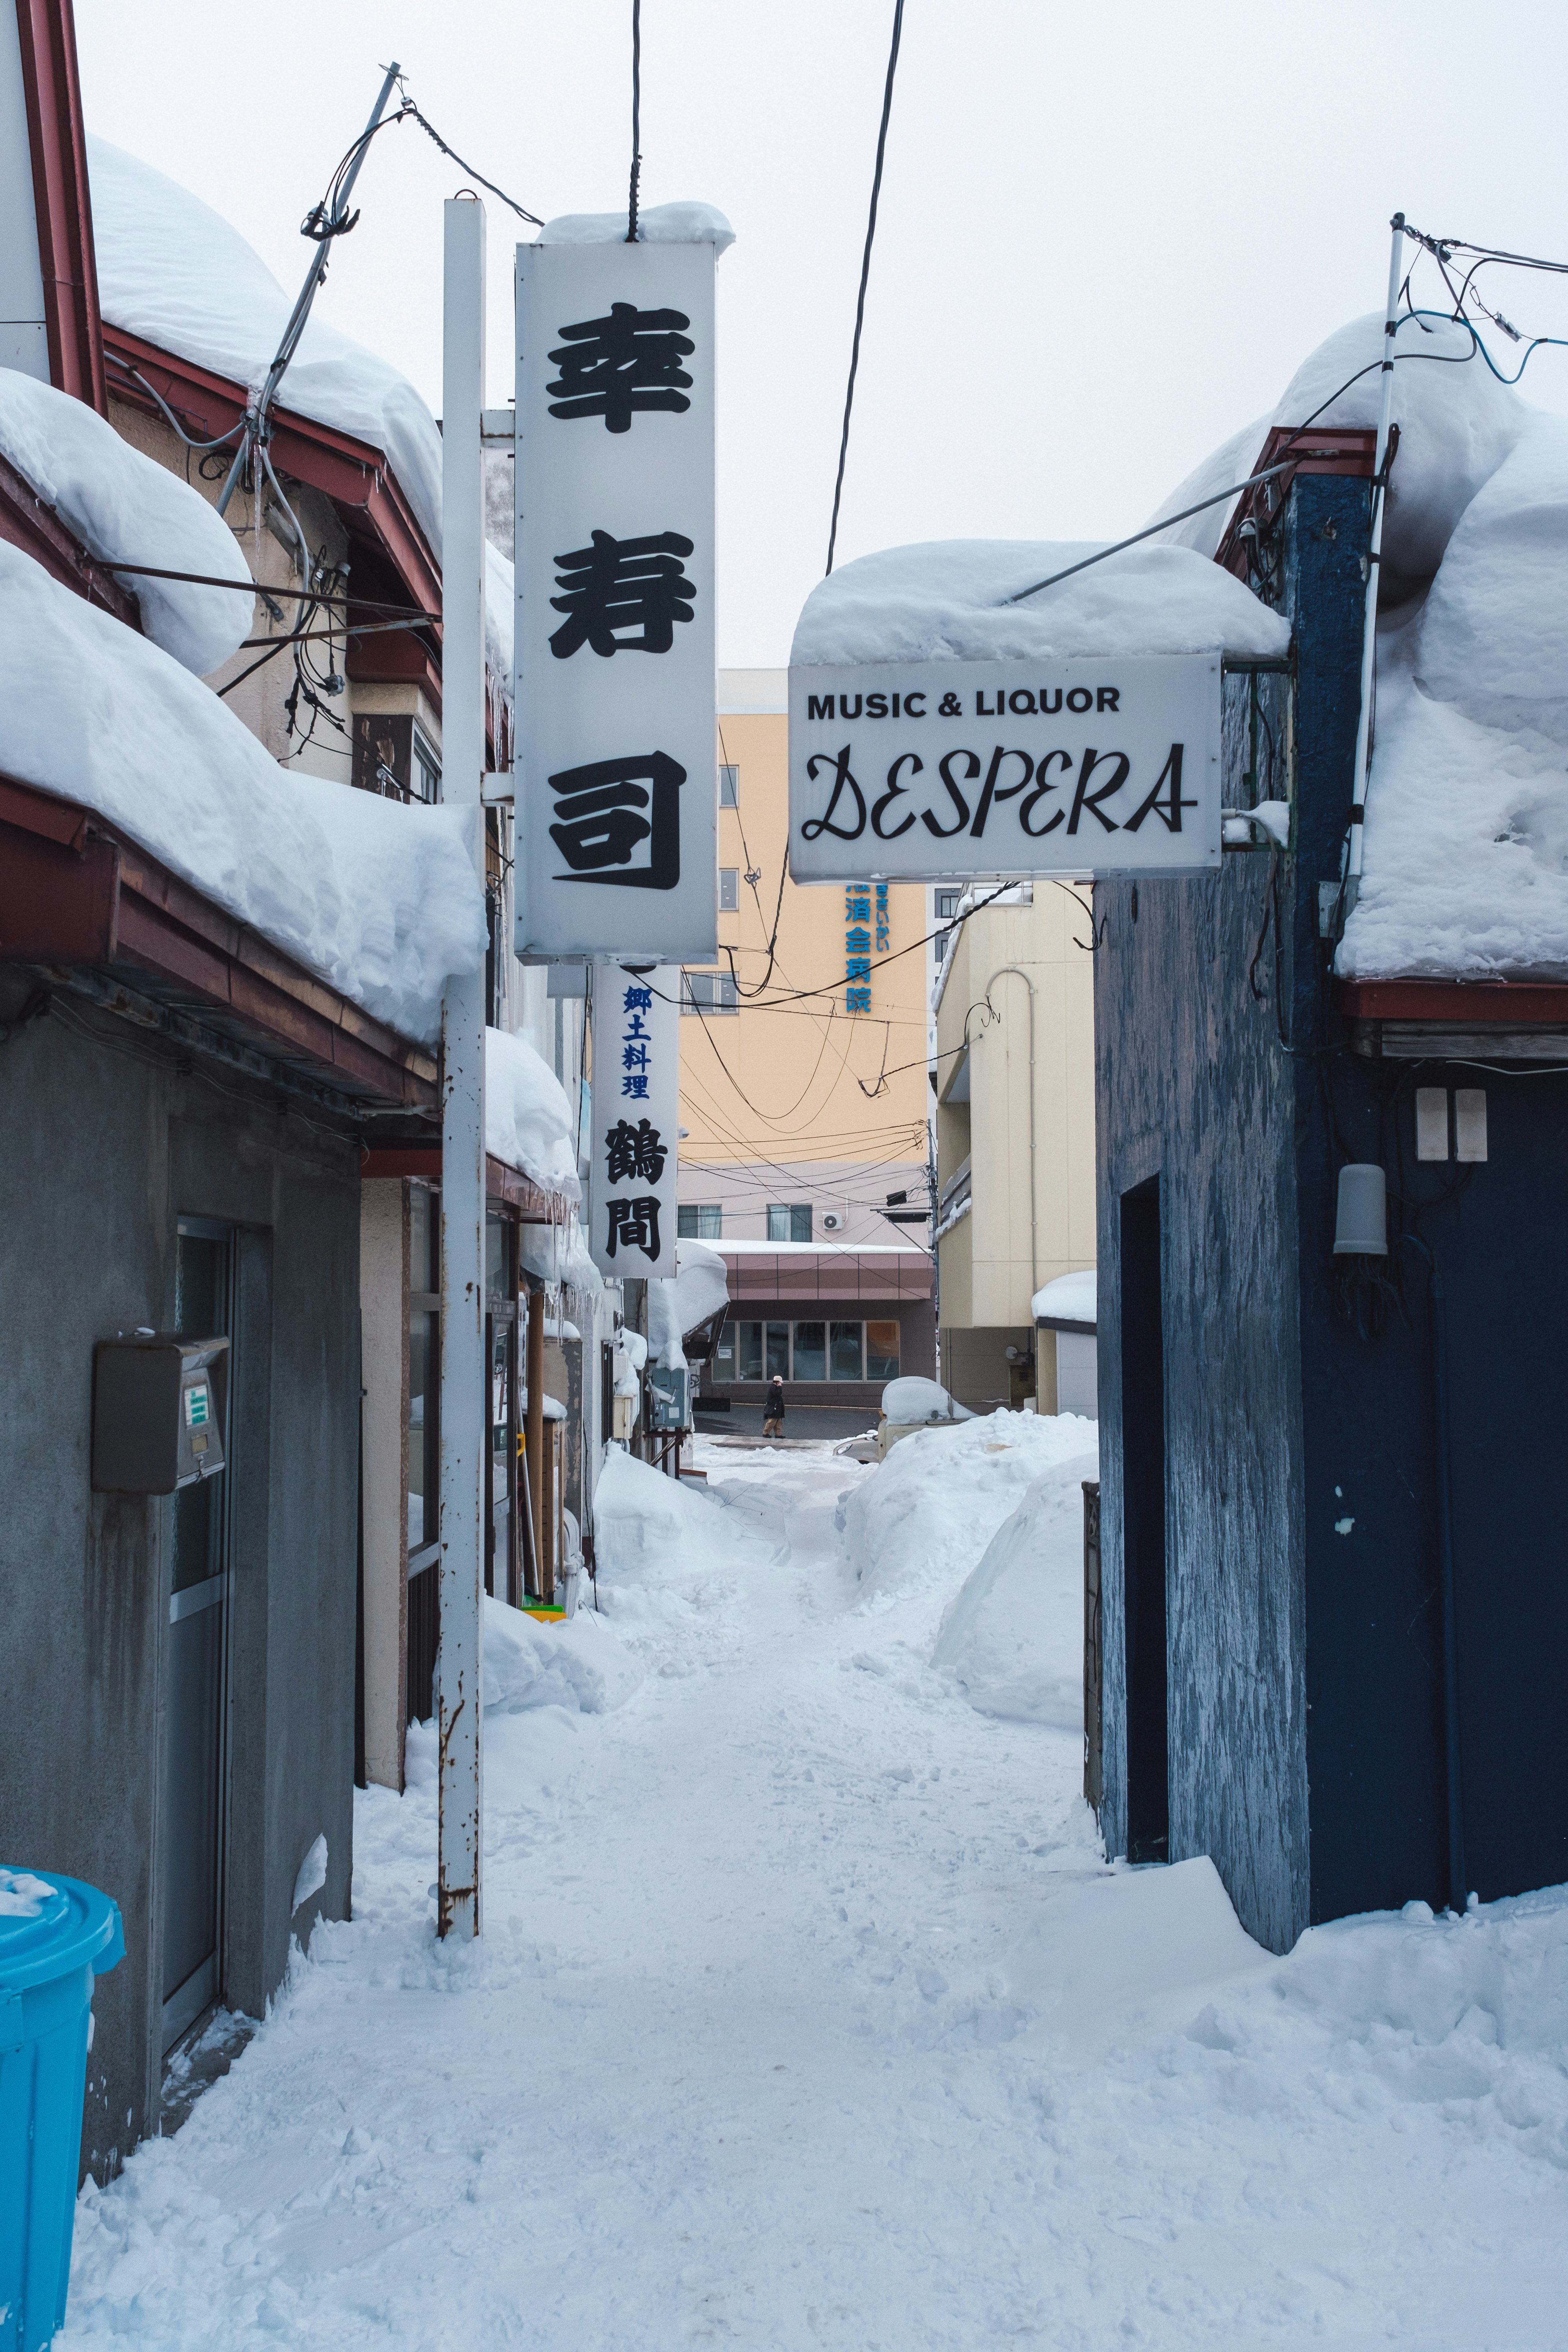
808 2014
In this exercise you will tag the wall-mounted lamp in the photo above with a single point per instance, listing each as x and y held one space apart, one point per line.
1361 1227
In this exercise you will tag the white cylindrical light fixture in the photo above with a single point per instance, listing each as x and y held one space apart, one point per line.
1361 1228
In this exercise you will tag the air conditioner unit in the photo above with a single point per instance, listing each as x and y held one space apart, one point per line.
831 1222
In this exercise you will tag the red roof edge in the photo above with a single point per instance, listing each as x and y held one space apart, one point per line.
57 138
1495 1002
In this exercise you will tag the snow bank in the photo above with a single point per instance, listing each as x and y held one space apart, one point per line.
647 1526
1013 1639
124 508
529 1123
925 1515
1070 1296
677 224
379 900
945 601
578 1664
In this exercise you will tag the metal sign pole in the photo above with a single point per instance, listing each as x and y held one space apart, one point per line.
459 1663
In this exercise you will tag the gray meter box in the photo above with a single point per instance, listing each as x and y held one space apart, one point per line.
159 1412
670 1393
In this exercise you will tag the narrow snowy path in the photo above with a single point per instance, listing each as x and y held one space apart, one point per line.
807 2014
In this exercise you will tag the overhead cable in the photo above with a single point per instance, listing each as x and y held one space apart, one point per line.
865 274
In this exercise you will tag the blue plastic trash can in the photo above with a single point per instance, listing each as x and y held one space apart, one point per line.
56 1936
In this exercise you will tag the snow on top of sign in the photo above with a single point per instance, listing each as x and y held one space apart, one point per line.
1070 1298
680 224
380 900
126 508
945 600
529 1123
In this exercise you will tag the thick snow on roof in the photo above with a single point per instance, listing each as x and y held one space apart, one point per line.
680 224
700 1286
946 600
528 1122
380 900
126 508
176 272
1069 1299
560 1253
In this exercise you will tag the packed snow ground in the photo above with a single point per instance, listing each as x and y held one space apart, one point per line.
809 2014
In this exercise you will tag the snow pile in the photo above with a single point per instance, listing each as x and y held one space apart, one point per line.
579 1665
664 1332
946 601
529 1123
925 1514
647 1526
1069 1299
379 900
677 224
125 509
1012 1641
911 1398
23 1894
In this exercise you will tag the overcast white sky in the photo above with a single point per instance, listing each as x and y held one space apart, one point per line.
1107 236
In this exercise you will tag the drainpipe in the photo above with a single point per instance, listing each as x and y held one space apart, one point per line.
533 1446
1017 970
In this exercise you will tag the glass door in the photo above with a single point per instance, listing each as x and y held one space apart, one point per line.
190 1833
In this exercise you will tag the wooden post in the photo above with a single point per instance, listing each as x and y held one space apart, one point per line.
535 1438
547 1483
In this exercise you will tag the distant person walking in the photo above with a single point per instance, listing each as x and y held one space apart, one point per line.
772 1422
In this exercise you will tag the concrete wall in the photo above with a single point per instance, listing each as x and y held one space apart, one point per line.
103 1145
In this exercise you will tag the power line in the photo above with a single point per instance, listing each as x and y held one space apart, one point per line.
865 274
636 124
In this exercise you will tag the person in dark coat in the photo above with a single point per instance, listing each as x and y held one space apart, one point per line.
773 1421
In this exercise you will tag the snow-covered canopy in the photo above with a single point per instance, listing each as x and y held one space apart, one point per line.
946 601
699 1288
529 1123
126 508
678 224
1070 1298
1466 856
380 900
560 1253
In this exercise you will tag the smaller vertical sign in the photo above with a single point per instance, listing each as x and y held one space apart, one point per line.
636 1114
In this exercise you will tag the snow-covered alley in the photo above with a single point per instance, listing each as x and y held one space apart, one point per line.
808 2014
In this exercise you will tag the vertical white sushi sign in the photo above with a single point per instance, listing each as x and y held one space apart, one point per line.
616 776
634 1182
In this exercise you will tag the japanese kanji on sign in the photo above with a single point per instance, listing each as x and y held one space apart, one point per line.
637 1110
615 780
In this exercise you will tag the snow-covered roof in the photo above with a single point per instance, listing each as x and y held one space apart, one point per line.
1070 1298
946 601
1466 856
560 1253
819 1249
677 224
699 1288
126 508
379 900
529 1123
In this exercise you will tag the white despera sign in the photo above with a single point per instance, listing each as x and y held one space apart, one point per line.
616 776
636 1115
926 770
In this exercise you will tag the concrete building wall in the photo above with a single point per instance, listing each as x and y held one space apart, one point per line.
104 1144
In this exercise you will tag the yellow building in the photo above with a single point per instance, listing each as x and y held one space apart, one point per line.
1014 1021
804 1098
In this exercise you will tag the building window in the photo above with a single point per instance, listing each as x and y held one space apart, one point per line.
728 889
729 787
427 778
700 1220
947 905
789 1220
809 1351
709 991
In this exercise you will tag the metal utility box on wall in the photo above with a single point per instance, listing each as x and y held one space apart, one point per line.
159 1412
670 1397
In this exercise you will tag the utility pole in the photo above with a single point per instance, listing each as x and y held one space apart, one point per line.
459 1663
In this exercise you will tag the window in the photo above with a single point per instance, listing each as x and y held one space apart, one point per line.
809 1351
728 889
729 787
947 905
426 776
700 1220
708 991
789 1220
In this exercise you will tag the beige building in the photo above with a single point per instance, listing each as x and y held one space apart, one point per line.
1015 1064
804 1094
